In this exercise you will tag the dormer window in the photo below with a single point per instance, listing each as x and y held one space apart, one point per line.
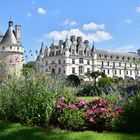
80 52
3 48
10 47
73 51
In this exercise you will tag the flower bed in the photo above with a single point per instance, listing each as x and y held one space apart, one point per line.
77 114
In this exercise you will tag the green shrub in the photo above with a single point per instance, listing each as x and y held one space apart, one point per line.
72 119
104 81
131 117
30 99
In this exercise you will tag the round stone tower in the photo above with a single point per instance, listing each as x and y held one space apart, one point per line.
11 52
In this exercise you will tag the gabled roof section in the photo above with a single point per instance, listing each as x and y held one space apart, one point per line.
9 38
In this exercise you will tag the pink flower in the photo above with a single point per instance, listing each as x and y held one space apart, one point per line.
119 109
82 101
72 106
89 112
62 98
91 119
93 107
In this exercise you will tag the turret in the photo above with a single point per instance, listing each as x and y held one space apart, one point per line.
11 52
94 58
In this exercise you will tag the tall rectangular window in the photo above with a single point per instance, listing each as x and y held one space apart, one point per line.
120 72
130 72
59 70
113 64
107 63
115 72
73 61
88 62
108 72
102 63
80 69
81 60
73 70
119 64
59 61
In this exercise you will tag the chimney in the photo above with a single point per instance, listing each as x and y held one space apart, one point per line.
18 32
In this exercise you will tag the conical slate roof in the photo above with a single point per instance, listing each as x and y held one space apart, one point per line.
9 38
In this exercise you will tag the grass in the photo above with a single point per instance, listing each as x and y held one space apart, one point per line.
15 131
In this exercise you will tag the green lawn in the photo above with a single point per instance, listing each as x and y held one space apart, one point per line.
15 131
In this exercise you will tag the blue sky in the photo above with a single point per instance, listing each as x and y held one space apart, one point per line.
112 24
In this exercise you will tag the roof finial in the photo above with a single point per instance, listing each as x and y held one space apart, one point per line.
10 24
93 47
53 40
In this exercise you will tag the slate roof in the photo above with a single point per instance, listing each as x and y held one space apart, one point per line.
9 38
104 52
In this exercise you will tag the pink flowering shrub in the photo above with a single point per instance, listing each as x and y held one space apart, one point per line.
97 114
100 113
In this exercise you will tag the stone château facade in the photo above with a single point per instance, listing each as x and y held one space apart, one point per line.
75 56
11 51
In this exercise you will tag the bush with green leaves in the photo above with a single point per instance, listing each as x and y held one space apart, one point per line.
131 117
72 119
30 99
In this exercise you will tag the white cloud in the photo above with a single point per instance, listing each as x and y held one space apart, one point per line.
128 21
29 15
70 23
138 9
98 36
93 26
41 11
